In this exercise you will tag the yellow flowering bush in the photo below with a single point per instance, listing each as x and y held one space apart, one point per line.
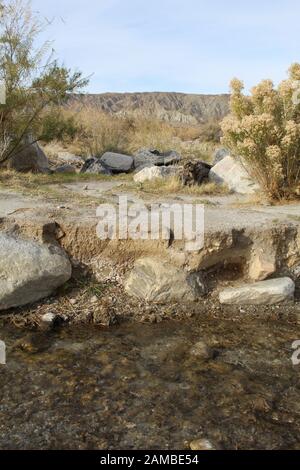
263 130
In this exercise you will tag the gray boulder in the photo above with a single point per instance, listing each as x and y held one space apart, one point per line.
117 162
150 157
153 280
95 166
29 271
270 292
29 158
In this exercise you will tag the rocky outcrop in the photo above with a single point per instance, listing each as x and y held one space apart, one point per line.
151 157
29 271
117 162
270 292
154 172
29 158
95 167
230 171
194 172
152 280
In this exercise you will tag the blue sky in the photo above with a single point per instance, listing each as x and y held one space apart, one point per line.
193 46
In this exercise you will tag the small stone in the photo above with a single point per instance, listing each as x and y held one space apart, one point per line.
202 444
94 299
48 317
73 301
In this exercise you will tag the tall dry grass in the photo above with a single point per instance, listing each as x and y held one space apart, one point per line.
99 132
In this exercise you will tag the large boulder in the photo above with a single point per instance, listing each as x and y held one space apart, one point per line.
194 172
220 154
154 172
150 157
270 292
29 158
95 167
117 162
29 271
152 280
230 171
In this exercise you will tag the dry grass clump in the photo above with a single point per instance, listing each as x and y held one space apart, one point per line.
174 185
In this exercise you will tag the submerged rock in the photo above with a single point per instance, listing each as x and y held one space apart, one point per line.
230 171
269 292
202 444
29 271
153 280
202 351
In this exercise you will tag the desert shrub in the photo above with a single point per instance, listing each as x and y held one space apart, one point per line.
58 125
264 130
33 79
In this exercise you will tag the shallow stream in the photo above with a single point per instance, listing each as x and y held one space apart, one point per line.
140 386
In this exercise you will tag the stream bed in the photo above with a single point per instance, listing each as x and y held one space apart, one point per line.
142 386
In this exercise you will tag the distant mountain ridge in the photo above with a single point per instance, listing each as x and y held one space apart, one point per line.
175 108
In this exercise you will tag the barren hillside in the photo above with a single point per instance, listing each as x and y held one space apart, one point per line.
171 107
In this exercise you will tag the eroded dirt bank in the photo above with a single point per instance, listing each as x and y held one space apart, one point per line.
114 372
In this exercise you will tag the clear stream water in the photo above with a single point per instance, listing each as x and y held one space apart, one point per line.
138 386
